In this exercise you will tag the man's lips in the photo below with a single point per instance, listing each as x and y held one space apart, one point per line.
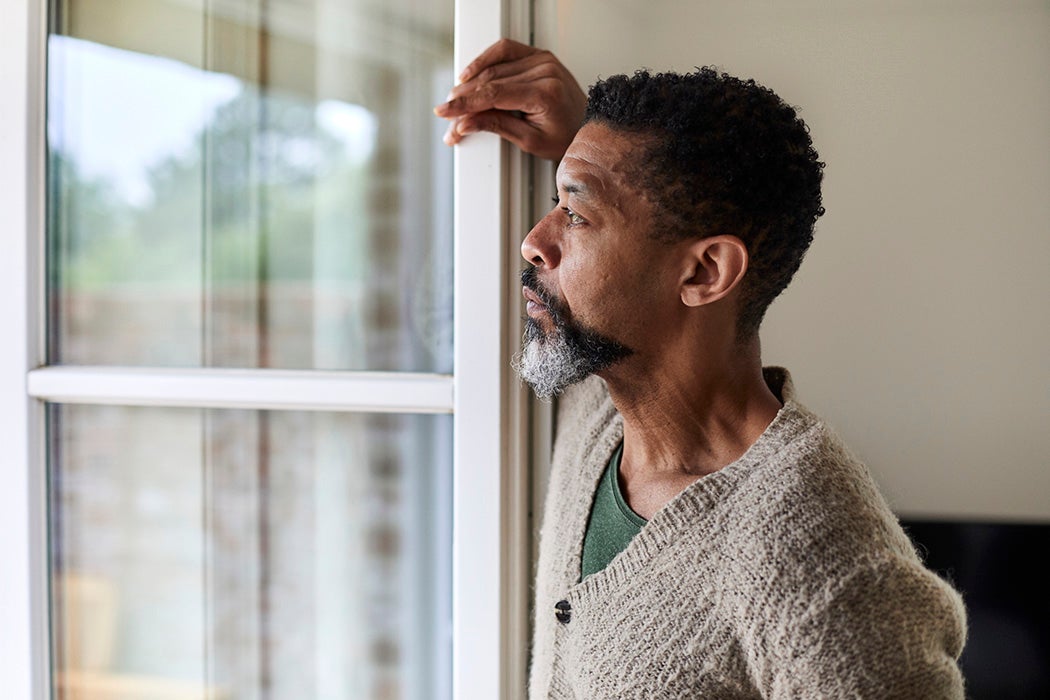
533 304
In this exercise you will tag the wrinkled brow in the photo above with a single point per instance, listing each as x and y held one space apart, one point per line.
574 188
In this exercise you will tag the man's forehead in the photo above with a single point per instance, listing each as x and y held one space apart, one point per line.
579 178
596 160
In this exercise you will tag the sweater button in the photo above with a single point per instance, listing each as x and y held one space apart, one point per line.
563 611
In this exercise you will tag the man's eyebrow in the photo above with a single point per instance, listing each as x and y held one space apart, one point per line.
572 188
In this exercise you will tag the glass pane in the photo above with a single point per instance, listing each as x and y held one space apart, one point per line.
256 555
250 183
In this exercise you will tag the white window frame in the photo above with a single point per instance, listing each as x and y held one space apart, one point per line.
491 495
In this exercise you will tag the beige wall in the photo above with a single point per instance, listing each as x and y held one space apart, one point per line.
918 324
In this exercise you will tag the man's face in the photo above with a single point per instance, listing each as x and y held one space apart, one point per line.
599 285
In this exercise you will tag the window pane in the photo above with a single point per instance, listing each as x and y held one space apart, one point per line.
243 554
252 183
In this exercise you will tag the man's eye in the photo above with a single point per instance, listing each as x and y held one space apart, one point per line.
574 218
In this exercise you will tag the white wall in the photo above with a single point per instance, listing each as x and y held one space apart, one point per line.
918 324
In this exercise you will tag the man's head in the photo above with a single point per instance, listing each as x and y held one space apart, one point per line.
725 157
685 205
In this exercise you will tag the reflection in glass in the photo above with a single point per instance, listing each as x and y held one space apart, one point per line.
249 183
240 554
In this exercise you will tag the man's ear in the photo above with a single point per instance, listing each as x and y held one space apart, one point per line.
713 267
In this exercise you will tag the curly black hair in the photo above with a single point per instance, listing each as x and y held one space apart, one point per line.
727 156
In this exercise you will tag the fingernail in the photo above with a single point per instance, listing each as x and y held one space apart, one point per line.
448 97
467 130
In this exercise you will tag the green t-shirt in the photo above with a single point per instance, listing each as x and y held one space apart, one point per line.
612 524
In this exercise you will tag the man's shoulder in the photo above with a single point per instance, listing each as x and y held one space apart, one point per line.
817 498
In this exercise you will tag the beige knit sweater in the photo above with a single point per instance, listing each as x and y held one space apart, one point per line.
783 575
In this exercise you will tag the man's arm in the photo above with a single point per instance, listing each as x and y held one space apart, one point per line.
522 93
890 630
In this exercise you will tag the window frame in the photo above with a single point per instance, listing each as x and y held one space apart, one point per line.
491 489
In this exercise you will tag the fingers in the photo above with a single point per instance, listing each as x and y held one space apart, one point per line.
537 63
456 131
487 87
502 51
504 124
524 94
490 96
523 134
528 91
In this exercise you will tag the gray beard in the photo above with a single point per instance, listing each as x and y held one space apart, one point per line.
552 362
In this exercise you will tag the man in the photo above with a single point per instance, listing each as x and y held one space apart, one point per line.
705 535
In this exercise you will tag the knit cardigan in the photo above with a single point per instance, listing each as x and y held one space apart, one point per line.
782 575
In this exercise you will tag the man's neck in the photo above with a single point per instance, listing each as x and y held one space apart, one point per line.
686 420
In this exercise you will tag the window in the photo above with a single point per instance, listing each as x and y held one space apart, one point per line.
263 441
249 554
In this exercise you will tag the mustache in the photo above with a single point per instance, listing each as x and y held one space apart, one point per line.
555 307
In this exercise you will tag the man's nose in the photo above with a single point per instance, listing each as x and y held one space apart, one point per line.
540 247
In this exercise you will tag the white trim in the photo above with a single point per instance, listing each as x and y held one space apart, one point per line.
382 392
481 614
23 553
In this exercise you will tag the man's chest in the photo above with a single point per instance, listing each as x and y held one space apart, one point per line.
656 637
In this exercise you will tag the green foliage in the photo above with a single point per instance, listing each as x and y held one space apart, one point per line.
242 205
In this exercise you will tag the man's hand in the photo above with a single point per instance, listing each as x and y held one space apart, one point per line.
521 93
